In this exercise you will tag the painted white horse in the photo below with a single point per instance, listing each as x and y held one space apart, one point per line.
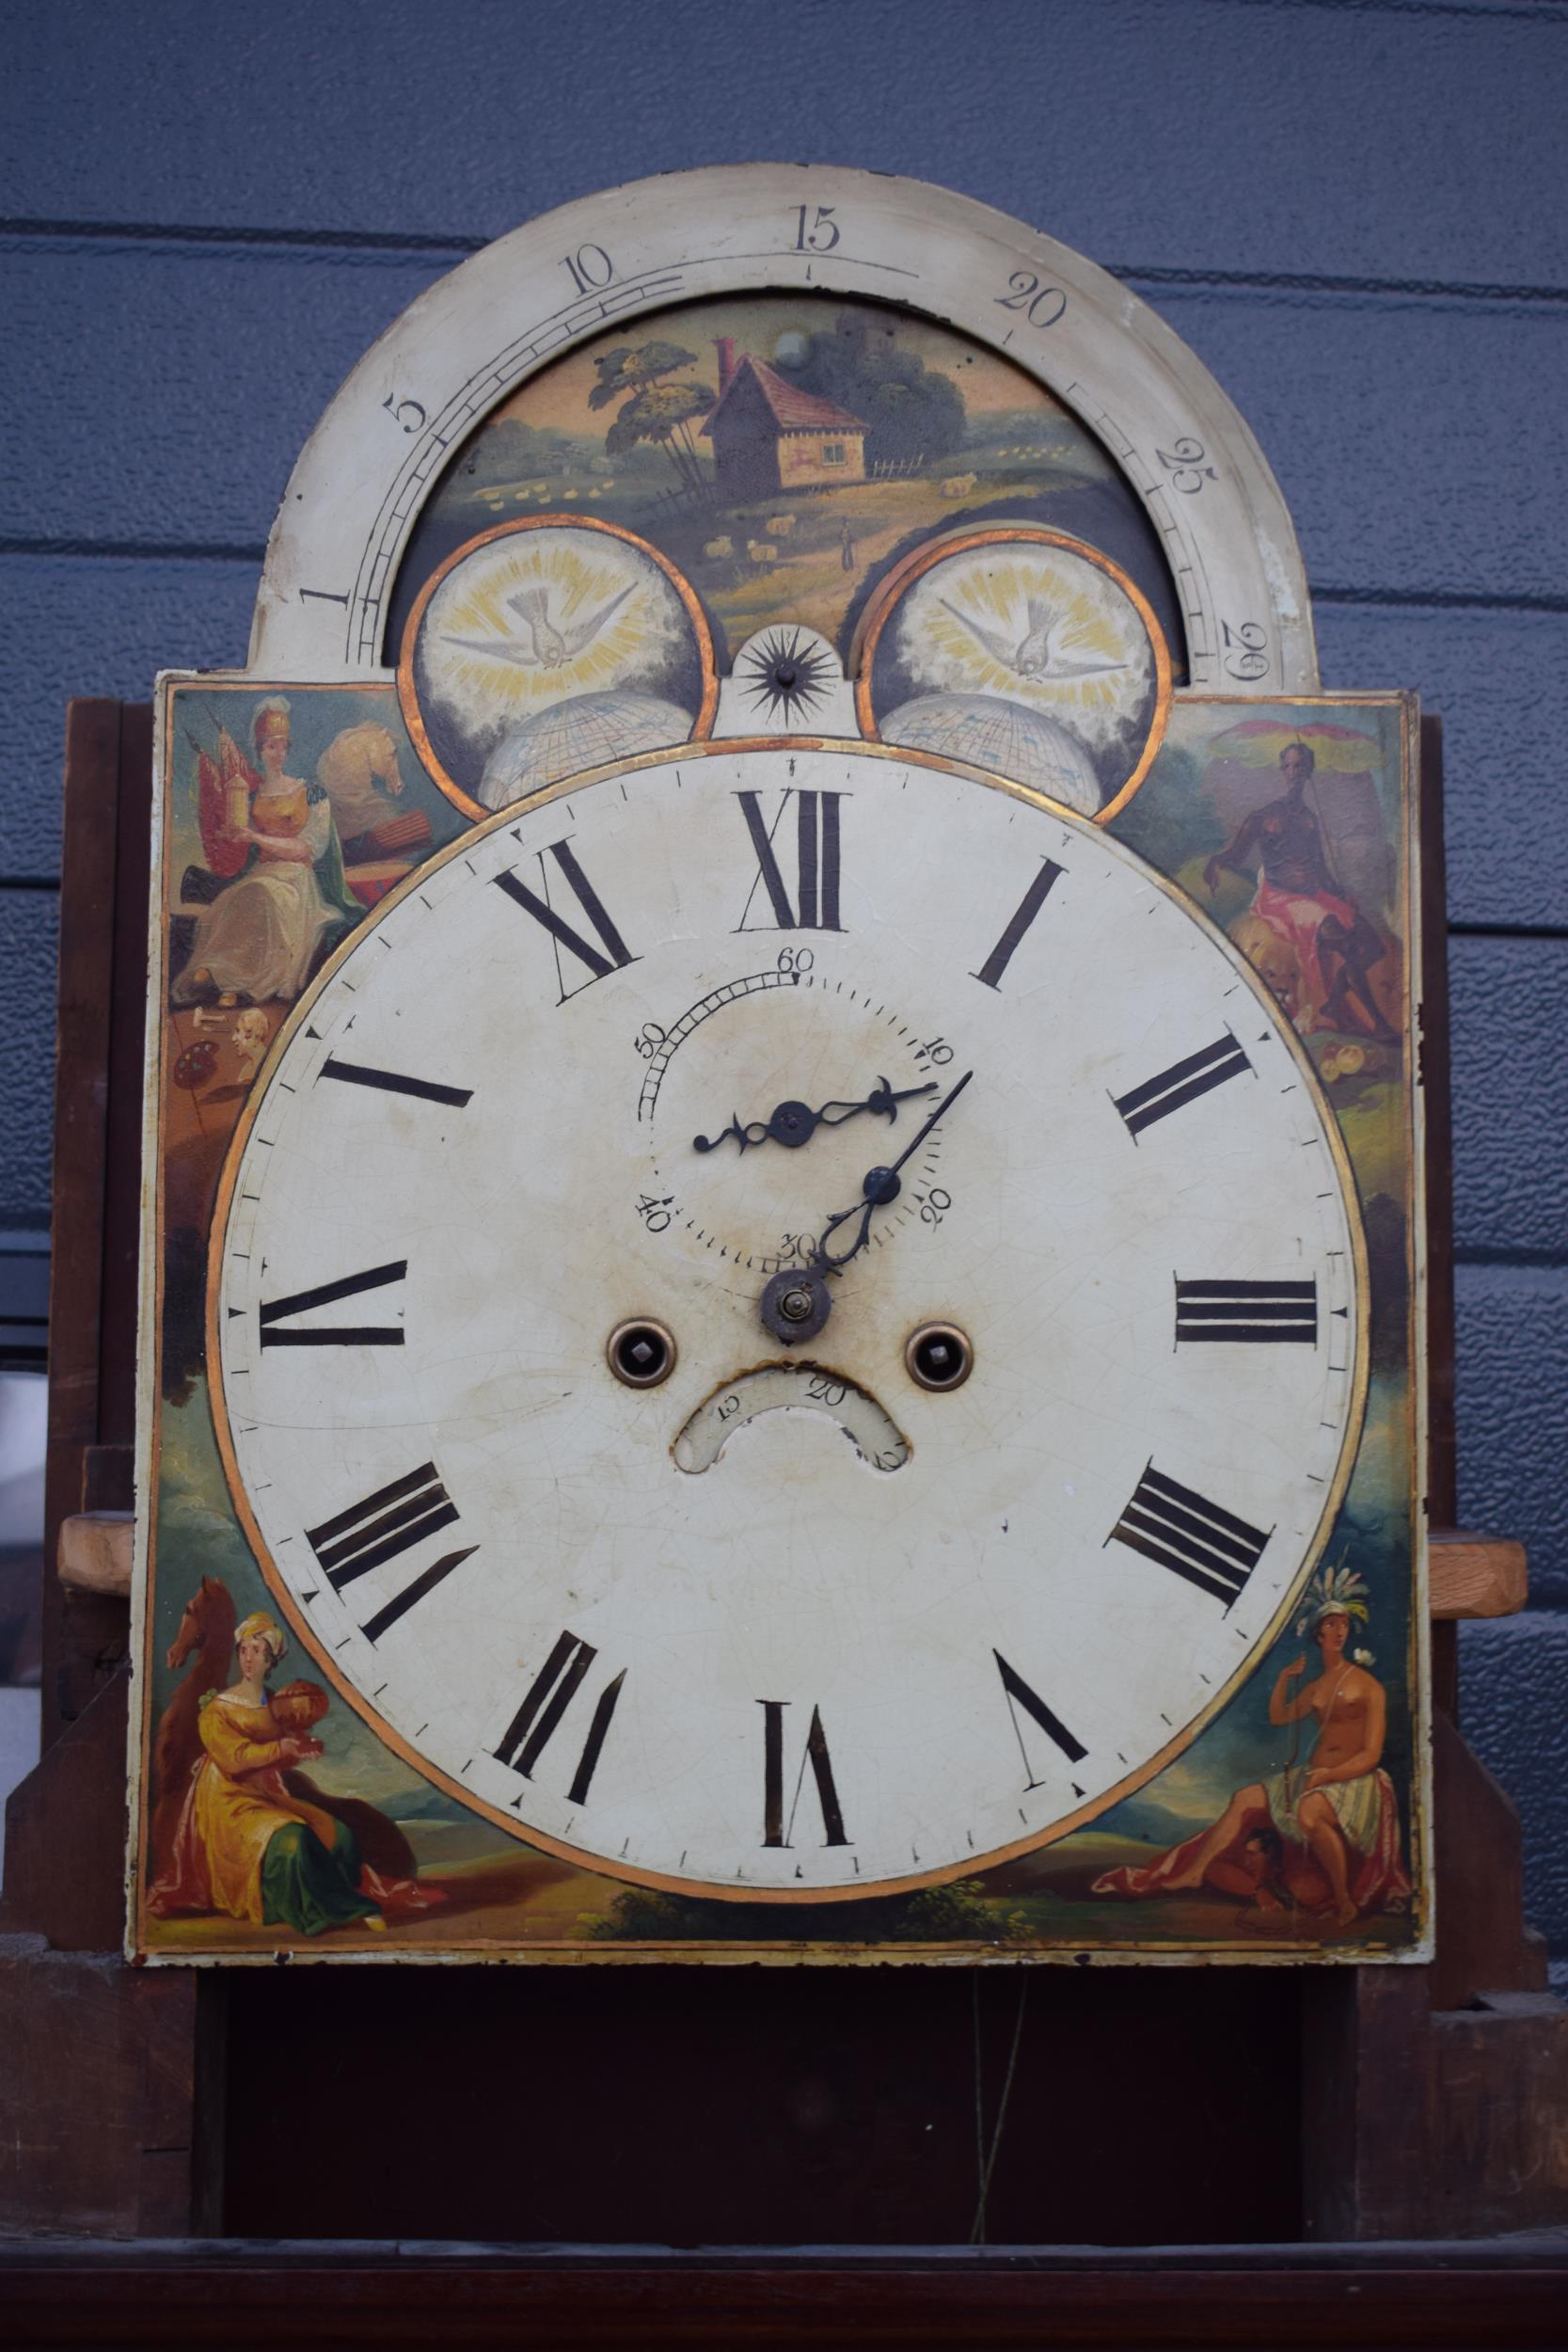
352 771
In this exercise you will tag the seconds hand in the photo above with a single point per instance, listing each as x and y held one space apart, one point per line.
879 1188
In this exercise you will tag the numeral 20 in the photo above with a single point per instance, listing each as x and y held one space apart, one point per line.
1042 306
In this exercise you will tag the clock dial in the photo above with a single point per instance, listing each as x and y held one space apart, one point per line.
704 1603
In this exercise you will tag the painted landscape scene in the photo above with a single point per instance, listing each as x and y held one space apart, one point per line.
784 453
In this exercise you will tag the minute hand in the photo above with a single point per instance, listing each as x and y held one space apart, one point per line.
879 1186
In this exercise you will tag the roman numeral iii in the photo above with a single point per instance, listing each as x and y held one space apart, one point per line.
810 833
778 1825
1282 1312
611 955
1183 1082
549 1694
1192 1537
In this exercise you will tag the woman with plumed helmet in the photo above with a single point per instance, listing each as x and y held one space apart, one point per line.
262 935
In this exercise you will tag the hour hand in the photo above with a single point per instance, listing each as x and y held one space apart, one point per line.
792 1123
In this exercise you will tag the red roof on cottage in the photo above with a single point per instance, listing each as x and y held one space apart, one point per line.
792 409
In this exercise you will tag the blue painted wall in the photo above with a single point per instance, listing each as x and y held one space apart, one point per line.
1353 212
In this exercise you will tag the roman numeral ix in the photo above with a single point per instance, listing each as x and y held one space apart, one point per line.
814 829
549 1694
778 1828
385 1524
1272 1311
611 955
1193 1537
1183 1082
272 1313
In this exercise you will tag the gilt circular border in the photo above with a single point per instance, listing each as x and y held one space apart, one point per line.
408 699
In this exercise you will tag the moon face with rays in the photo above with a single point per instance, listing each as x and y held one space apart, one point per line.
1040 625
530 619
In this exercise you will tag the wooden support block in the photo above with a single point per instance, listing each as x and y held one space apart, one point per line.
1499 2158
94 1554
1477 1575
96 2100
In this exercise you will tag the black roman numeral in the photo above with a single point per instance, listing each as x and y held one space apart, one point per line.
392 1082
274 1311
1279 1312
549 1694
371 1531
1028 907
1190 1535
815 905
1183 1082
778 1830
1019 1694
611 955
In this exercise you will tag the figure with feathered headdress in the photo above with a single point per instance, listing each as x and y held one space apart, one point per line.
1332 1820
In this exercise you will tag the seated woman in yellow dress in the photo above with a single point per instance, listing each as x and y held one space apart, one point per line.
244 1845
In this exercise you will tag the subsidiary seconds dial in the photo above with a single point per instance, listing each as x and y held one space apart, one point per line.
791 1623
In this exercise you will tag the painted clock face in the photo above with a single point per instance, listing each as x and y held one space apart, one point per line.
787 1321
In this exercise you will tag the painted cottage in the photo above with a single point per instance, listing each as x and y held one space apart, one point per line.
769 434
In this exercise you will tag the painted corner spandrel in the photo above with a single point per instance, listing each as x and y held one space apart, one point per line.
1298 1819
264 1815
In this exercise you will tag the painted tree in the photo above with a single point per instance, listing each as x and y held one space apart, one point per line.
910 410
653 409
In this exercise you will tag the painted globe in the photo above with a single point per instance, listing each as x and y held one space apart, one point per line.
586 731
1004 737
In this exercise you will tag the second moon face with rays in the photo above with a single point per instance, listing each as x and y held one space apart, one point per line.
540 651
1025 653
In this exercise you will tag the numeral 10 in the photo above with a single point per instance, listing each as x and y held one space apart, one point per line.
590 267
